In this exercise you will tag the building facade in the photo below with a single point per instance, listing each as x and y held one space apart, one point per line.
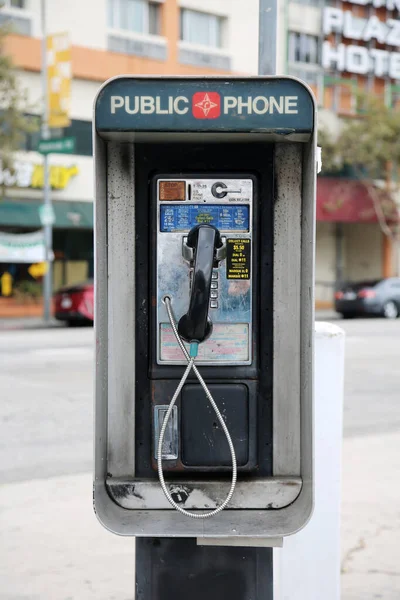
196 37
340 48
109 38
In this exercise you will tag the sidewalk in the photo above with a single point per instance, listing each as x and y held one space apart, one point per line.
371 517
326 315
28 323
39 323
53 548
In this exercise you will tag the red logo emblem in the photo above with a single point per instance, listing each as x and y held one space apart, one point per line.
206 105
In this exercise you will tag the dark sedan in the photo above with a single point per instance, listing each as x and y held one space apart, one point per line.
380 297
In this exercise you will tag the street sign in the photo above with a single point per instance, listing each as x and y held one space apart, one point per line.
46 214
64 145
38 270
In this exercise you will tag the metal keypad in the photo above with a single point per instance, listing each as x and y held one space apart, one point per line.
214 289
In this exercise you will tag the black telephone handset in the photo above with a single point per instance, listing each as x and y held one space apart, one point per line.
195 325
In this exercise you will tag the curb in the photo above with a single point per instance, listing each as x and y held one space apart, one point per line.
23 324
34 323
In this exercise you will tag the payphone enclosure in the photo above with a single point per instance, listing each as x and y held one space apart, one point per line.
237 155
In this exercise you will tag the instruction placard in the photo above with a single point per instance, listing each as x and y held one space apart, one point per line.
238 258
228 343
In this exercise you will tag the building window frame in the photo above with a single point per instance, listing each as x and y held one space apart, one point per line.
20 18
115 20
9 6
299 53
193 52
137 43
315 3
184 26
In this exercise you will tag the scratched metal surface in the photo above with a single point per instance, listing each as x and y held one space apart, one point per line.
267 493
234 297
287 298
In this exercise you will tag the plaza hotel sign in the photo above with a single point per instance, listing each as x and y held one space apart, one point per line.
360 59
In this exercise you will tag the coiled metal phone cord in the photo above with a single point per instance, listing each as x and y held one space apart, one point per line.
191 365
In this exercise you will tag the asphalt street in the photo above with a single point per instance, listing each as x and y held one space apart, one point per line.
47 403
372 376
46 414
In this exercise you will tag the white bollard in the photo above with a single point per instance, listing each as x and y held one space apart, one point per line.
308 565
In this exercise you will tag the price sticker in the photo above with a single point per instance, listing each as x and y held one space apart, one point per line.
238 258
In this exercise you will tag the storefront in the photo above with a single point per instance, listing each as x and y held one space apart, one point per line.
20 209
72 236
350 243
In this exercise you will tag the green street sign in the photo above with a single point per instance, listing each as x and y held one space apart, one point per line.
64 145
46 215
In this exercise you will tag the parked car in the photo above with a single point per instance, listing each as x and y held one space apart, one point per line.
380 297
74 303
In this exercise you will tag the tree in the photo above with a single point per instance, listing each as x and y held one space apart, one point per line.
14 123
369 143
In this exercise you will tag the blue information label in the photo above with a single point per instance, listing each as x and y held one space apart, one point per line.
178 217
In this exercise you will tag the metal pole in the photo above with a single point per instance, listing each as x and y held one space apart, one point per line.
267 31
339 235
48 230
175 568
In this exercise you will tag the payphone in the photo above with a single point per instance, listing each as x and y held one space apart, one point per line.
204 273
205 193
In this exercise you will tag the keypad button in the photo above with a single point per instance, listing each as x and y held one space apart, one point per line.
214 275
214 295
214 304
214 285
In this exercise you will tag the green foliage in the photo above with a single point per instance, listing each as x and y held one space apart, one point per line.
332 161
368 142
14 124
28 290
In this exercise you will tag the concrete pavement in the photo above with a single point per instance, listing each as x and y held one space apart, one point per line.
53 548
51 545
371 517
46 409
29 323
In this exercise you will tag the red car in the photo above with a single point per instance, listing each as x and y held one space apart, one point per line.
74 304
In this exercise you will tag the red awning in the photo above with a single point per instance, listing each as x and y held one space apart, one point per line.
348 201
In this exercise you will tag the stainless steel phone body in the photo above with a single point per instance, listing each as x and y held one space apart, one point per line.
226 203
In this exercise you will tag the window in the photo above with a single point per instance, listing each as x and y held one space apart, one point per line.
13 14
137 16
303 48
13 4
154 18
314 2
202 28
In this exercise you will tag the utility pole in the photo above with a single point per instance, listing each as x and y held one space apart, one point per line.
267 31
48 228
